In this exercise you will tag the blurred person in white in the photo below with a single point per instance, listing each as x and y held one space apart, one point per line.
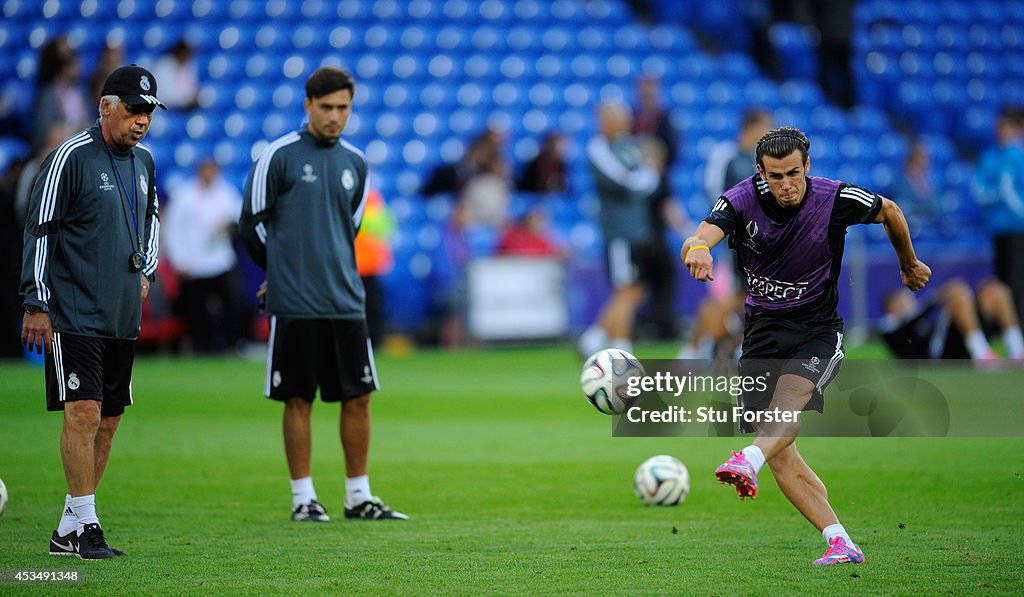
178 68
488 190
624 182
59 95
199 222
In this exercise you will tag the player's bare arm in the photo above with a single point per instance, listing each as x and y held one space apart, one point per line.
914 272
696 251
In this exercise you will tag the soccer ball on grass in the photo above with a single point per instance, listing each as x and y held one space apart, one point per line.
662 481
3 497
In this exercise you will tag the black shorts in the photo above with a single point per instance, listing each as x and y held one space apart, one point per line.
332 354
774 347
88 368
632 263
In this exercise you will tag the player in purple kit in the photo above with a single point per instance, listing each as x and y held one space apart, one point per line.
788 230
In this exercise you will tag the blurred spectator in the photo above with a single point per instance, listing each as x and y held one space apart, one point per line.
11 235
732 161
529 236
451 178
665 213
948 327
914 188
624 183
448 280
59 97
200 219
999 190
375 259
177 67
111 57
487 191
55 134
546 172
651 118
729 163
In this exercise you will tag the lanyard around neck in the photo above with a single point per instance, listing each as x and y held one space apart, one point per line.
131 199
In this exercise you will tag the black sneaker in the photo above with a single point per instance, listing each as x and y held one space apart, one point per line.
311 512
374 509
92 545
64 546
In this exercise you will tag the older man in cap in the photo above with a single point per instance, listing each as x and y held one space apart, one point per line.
90 254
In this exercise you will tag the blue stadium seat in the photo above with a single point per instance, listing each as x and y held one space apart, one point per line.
795 50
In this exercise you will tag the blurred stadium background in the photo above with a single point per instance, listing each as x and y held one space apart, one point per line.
432 74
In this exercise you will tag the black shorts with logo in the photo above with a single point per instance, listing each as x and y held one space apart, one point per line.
773 347
89 368
332 354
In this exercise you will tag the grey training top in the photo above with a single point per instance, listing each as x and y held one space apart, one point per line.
304 202
624 183
80 234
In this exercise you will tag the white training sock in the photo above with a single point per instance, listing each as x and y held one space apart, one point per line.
593 340
977 345
68 520
755 456
1014 342
357 490
835 530
302 491
84 507
622 344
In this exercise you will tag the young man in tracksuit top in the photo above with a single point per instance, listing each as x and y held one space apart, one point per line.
304 201
90 254
789 230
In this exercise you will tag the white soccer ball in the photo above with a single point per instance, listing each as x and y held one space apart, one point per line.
3 497
604 379
662 481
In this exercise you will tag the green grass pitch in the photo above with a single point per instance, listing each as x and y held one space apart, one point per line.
514 485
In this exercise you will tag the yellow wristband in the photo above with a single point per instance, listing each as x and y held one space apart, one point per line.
698 247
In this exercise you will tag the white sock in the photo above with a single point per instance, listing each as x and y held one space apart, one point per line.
1014 342
977 345
357 490
622 344
84 507
835 530
593 340
68 520
302 491
755 456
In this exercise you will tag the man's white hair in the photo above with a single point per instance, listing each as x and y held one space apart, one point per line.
112 101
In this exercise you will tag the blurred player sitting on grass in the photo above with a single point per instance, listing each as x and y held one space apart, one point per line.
788 229
952 325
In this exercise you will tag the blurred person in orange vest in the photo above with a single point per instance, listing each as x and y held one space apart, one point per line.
375 259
